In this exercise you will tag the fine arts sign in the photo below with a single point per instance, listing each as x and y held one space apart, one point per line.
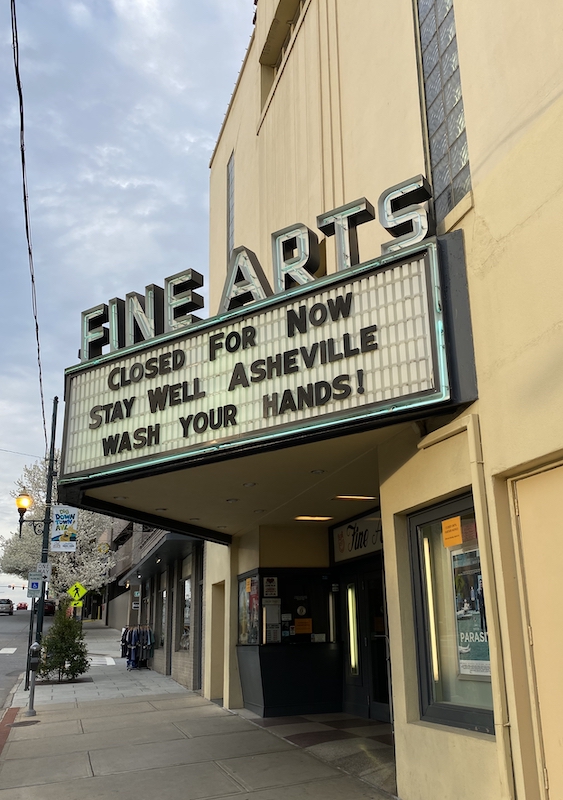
363 344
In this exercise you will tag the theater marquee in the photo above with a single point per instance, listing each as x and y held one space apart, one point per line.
362 345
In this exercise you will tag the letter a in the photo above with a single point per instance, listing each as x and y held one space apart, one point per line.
246 282
295 252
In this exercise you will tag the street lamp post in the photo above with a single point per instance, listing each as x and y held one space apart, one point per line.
47 521
24 501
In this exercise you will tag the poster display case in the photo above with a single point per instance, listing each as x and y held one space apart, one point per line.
285 606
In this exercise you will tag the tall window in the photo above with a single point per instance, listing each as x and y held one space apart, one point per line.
230 206
185 636
450 601
163 609
449 158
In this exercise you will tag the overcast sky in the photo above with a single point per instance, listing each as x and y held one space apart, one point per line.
123 103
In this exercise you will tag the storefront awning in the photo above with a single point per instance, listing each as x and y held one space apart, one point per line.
169 548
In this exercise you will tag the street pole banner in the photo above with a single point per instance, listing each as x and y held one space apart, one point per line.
64 529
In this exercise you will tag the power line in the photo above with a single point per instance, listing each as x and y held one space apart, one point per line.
17 453
26 213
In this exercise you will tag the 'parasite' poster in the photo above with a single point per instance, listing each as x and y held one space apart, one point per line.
471 619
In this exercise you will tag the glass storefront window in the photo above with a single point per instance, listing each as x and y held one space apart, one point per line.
184 643
162 617
450 613
249 610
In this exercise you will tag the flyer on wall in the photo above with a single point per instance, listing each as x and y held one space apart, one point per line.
471 620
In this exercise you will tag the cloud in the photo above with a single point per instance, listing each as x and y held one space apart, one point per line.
80 14
123 102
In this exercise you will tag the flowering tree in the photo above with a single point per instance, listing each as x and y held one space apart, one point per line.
89 565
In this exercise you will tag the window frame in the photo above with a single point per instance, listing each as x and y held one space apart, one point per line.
181 606
162 617
459 716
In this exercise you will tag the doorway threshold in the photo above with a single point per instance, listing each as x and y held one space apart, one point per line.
360 747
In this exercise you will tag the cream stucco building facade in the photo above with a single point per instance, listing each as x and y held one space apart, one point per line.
446 622
342 116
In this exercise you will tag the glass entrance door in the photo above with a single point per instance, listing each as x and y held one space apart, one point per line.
364 625
378 646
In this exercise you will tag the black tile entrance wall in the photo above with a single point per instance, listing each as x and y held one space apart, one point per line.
292 679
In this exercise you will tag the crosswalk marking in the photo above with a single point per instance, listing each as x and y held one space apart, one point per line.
95 661
101 661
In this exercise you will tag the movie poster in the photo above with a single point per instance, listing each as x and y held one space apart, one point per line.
249 611
471 617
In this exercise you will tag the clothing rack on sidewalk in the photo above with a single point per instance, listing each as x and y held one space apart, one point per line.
137 646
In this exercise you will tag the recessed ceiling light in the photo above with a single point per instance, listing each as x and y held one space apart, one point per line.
158 560
306 518
232 500
119 497
355 497
221 527
193 519
161 509
248 485
317 471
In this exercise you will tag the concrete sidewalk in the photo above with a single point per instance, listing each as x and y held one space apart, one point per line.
137 735
106 679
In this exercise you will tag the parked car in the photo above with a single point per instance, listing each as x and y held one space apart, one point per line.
49 608
6 607
21 607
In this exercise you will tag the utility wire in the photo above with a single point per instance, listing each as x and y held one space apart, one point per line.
17 453
26 214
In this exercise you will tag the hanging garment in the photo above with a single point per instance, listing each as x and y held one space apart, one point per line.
143 643
132 648
124 643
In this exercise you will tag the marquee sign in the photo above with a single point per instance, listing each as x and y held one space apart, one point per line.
360 345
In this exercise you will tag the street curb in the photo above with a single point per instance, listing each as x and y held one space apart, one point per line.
12 693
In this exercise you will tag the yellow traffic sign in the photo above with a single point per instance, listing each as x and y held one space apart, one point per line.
76 603
76 591
103 548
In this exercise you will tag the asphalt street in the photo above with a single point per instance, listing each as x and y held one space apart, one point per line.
14 632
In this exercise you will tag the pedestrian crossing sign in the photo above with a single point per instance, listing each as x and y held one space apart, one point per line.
76 603
76 591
